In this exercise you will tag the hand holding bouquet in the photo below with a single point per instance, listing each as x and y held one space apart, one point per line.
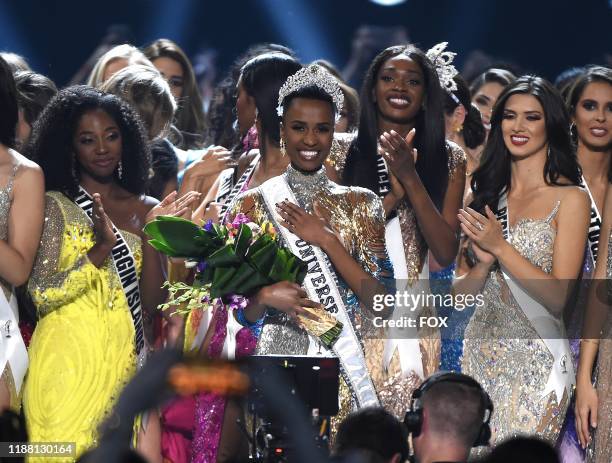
236 258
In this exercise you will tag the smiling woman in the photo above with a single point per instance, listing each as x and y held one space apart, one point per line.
338 230
94 277
525 234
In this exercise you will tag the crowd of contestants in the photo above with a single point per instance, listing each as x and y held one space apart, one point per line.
497 187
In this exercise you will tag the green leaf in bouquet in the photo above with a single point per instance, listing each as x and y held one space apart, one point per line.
280 270
263 259
176 234
221 279
259 243
241 279
243 239
223 257
163 248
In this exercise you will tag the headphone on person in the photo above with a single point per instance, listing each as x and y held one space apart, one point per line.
413 420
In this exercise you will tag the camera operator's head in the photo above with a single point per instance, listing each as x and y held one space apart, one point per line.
449 414
374 430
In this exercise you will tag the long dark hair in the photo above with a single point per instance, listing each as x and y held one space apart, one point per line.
432 163
8 105
474 133
492 178
592 74
51 143
262 78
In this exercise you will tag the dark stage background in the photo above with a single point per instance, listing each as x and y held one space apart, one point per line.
544 37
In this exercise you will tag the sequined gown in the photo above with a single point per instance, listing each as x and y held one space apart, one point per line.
601 447
504 352
6 200
394 386
356 216
82 351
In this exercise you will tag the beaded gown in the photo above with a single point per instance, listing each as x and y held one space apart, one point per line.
601 446
7 375
505 354
82 351
394 386
356 216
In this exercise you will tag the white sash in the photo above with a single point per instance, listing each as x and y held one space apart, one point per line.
594 225
320 285
12 348
231 197
549 328
405 339
125 265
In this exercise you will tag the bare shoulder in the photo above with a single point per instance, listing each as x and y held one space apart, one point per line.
574 199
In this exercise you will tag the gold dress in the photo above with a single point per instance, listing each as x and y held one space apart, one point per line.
356 216
394 386
82 351
602 440
505 354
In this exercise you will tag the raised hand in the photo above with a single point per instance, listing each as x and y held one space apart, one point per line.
486 232
212 162
309 227
399 152
102 226
171 205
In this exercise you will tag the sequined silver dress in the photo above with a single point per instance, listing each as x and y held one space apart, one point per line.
601 446
504 352
6 200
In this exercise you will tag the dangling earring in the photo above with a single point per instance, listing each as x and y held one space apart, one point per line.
120 170
548 152
573 132
283 149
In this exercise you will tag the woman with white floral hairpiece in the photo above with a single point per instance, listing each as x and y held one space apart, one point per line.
401 154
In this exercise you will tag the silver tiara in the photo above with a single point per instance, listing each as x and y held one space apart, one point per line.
312 75
443 62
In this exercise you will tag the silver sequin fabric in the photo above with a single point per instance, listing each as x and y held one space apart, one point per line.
6 200
505 354
601 447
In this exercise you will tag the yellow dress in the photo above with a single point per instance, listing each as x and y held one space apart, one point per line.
82 351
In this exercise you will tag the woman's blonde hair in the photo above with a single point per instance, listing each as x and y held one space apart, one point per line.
148 93
127 52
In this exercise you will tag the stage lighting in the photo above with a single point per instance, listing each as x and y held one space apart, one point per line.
390 2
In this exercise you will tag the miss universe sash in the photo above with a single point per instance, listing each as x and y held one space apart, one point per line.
12 348
594 225
126 270
320 285
233 194
549 328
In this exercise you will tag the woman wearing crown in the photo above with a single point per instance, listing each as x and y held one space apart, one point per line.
401 154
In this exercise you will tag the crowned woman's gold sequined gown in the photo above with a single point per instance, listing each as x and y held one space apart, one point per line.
504 352
601 446
82 351
356 216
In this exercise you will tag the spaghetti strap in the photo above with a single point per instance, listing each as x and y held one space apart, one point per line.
551 216
9 186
